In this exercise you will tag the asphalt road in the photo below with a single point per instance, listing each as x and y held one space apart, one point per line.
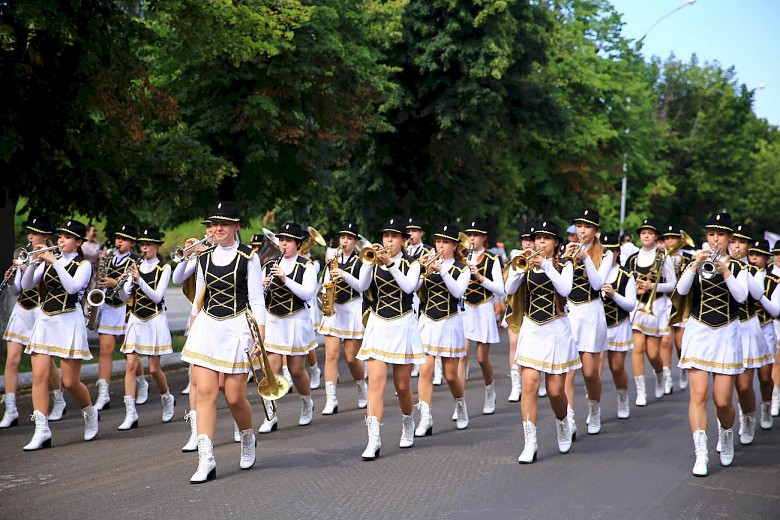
635 468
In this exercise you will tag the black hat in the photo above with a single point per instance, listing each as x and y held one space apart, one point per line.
292 230
394 225
744 232
545 227
609 240
760 246
257 240
127 232
206 221
75 228
671 231
414 223
448 232
225 211
150 235
651 224
349 229
588 216
41 225
776 248
478 225
721 221
528 230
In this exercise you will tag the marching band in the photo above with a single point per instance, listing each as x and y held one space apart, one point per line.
408 305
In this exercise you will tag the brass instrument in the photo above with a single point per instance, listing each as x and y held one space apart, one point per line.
425 267
522 262
270 387
685 240
574 253
463 241
656 270
24 257
270 247
708 269
369 255
315 238
328 294
179 254
97 297
114 291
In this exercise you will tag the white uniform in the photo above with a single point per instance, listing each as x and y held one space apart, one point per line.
479 322
150 337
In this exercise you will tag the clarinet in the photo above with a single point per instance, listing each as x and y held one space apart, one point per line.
267 288
468 263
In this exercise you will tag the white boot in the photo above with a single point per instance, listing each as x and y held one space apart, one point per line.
461 414
529 449
307 410
331 402
168 403
90 422
594 411
362 391
683 378
468 369
288 377
542 392
766 415
207 466
641 391
438 372
718 447
776 401
668 383
103 401
268 426
702 457
425 427
186 390
407 431
623 409
572 422
131 415
11 415
141 390
42 436
747 428
727 446
514 395
374 439
659 384
415 370
192 442
248 444
58 405
490 399
314 376
564 435
236 432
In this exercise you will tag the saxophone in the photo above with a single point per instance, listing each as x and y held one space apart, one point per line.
328 294
97 297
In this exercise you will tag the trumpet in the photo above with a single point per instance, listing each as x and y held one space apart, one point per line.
522 262
180 253
426 267
24 257
369 255
270 387
708 269
574 253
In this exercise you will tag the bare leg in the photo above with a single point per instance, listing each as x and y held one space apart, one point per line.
450 369
638 354
159 376
483 358
332 354
617 365
425 380
235 395
300 376
722 396
71 378
351 348
529 405
402 377
106 356
12 363
591 374
208 389
377 375
41 366
699 385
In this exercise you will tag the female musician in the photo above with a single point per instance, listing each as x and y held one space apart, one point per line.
546 344
590 267
649 327
61 330
711 343
20 324
441 325
290 281
391 335
113 316
775 271
147 330
619 296
479 320
346 322
674 241
229 282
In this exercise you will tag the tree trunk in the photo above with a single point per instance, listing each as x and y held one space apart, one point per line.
7 239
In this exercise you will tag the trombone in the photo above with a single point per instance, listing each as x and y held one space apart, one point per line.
24 257
180 253
270 387
656 270
369 255
522 261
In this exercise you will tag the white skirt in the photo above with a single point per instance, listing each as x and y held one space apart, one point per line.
620 338
346 322
112 320
61 335
588 326
443 337
713 350
479 323
548 348
776 324
289 336
755 352
655 325
770 336
392 341
21 323
148 338
218 344
314 312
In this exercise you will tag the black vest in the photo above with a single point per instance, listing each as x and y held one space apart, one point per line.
542 303
115 271
227 292
770 284
438 302
711 300
581 291
614 313
30 298
143 307
57 299
750 307
476 294
282 302
344 292
635 270
390 302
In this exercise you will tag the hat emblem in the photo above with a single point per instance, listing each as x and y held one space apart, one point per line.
586 212
445 228
410 221
68 224
544 224
287 226
219 206
349 226
392 221
473 222
717 217
35 220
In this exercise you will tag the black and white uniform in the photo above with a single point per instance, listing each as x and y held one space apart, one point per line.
229 280
657 324
26 311
776 273
479 319
770 308
391 331
755 351
680 260
586 310
440 323
113 313
347 320
61 330
147 331
618 308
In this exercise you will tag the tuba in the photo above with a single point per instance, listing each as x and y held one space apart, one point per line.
270 247
315 238
270 387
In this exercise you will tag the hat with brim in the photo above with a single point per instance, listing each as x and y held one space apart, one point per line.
528 230
721 222
776 248
671 231
75 228
226 211
350 229
257 240
478 225
588 216
414 224
744 232
150 236
651 224
394 225
128 232
760 247
40 225
447 232
609 240
292 230
545 227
